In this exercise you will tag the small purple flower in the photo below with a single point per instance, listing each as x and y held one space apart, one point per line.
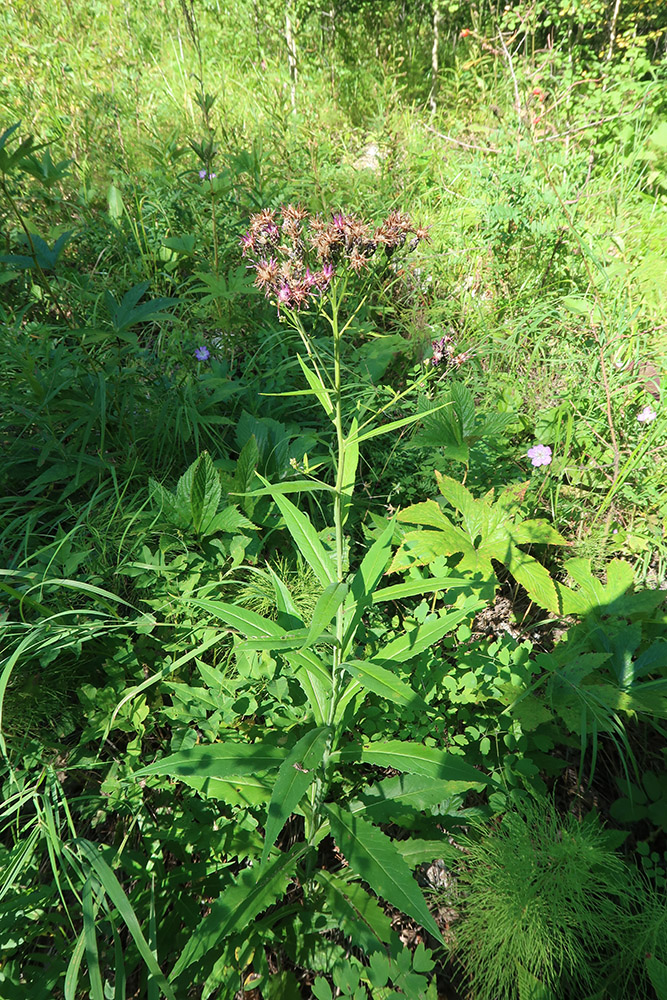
202 175
540 454
647 415
202 353
284 295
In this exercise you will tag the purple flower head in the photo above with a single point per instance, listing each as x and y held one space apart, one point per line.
202 175
327 272
284 295
442 348
202 353
247 242
540 454
647 415
339 220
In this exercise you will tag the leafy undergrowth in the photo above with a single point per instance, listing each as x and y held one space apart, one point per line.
334 646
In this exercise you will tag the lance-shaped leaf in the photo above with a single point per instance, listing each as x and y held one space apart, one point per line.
315 680
417 759
365 581
219 760
296 639
372 855
416 640
350 463
305 537
403 796
415 588
255 890
317 386
247 622
296 773
379 680
116 894
327 605
358 914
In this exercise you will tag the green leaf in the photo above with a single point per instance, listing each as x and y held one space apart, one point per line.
428 514
417 759
403 795
241 790
327 605
90 939
115 893
359 915
365 581
385 683
536 532
243 620
317 386
219 760
416 640
350 464
535 579
294 777
205 493
315 680
305 537
418 852
372 855
415 588
254 891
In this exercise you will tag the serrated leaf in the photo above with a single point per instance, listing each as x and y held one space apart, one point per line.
534 578
536 532
219 760
428 514
415 758
254 891
404 794
230 520
379 680
464 407
359 915
296 774
205 492
372 855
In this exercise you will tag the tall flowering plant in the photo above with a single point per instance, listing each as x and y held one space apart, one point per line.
304 261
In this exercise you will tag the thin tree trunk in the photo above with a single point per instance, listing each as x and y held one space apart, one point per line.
612 32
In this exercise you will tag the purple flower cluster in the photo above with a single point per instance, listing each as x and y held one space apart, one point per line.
295 254
444 353
204 175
